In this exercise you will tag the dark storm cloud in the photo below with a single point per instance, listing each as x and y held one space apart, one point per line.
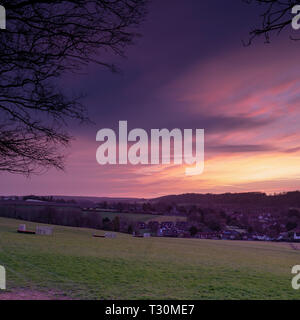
175 36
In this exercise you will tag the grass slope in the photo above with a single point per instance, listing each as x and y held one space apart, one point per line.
73 262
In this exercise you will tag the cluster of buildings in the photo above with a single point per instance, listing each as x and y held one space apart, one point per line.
163 229
182 229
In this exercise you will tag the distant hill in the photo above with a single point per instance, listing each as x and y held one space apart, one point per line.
249 198
288 199
98 199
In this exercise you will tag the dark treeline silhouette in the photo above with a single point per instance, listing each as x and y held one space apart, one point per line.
64 214
58 214
256 199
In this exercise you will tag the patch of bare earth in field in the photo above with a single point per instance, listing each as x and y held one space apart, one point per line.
22 294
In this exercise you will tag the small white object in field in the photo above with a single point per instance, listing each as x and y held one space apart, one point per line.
147 235
44 230
110 235
22 227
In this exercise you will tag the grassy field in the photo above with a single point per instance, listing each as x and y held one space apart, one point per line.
80 266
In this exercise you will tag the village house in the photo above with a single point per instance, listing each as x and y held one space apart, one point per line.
230 235
247 237
170 232
283 236
261 237
209 235
141 225
181 225
167 224
153 225
296 235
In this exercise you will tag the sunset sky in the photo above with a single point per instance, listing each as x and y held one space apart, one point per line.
189 70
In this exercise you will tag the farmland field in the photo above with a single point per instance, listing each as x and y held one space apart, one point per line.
77 265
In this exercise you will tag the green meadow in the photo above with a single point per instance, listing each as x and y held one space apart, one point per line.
78 265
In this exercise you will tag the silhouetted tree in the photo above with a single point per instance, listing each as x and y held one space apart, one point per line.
43 40
130 229
290 225
116 224
107 224
193 231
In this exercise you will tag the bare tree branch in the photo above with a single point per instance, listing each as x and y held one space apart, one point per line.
43 40
276 16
